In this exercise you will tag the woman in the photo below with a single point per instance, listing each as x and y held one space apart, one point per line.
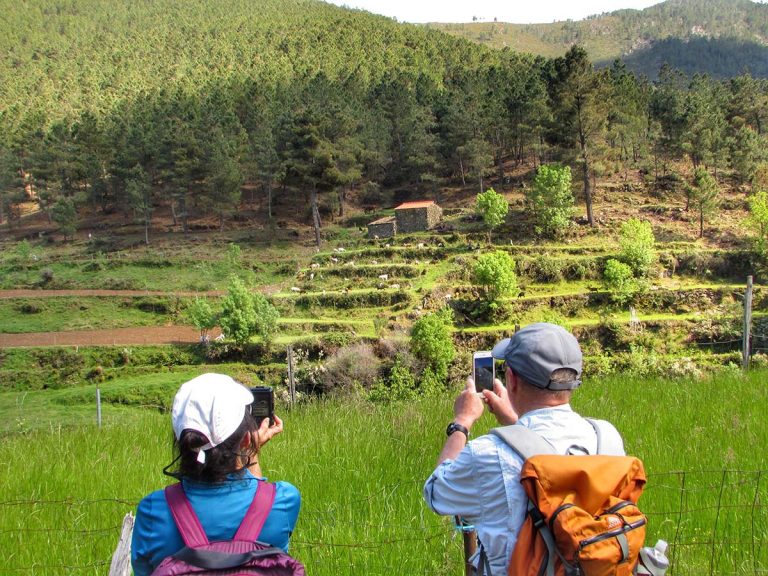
217 448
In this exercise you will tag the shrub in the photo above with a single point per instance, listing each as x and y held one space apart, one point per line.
547 269
400 385
550 200
200 314
619 281
349 368
637 246
495 272
244 314
431 340
29 308
492 208
46 276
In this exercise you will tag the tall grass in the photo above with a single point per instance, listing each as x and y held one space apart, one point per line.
360 468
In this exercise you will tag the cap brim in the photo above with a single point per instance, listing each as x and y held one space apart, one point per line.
500 350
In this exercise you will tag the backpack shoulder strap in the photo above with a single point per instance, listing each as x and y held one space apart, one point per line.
598 432
257 512
524 441
184 516
609 441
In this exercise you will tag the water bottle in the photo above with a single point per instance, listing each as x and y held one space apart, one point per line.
653 561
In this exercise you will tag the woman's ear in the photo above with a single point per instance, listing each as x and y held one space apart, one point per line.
246 441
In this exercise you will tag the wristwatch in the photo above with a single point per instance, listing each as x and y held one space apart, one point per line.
456 427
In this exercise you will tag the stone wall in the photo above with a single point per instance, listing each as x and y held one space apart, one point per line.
382 228
418 219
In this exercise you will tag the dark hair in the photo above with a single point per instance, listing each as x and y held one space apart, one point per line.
220 461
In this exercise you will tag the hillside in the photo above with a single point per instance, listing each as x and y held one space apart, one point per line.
722 38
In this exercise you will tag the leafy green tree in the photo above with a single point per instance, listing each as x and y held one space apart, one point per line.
493 208
64 213
703 194
620 281
201 315
266 317
551 200
758 217
431 341
637 244
245 314
495 272
234 257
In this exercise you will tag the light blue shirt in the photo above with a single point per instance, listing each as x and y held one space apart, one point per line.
483 483
220 509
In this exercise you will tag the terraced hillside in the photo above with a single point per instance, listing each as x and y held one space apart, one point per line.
126 304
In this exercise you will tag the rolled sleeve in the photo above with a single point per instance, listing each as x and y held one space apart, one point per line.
452 488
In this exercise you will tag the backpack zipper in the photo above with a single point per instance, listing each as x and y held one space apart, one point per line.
613 533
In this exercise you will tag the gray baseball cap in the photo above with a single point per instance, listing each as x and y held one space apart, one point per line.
538 350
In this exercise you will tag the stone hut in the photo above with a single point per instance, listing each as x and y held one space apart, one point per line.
417 216
383 227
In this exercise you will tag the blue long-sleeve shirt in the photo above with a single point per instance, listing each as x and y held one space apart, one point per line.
220 509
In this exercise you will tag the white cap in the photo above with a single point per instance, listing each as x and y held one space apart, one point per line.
212 404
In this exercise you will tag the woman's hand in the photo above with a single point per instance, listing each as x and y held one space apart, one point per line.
266 431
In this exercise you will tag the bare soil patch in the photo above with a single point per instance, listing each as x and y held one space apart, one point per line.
146 335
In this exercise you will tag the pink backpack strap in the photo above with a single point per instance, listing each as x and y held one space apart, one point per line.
257 513
184 516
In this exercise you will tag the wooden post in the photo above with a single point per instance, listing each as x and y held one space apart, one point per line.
747 324
291 382
470 544
121 559
98 407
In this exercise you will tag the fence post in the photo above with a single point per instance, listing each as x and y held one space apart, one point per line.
121 559
98 407
470 544
747 324
291 383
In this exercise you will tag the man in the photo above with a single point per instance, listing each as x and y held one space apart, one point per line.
480 480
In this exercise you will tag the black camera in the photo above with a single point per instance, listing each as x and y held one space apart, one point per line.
263 404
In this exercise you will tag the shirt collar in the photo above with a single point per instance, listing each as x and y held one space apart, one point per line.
528 417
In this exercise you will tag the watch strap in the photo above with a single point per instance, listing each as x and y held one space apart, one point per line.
456 427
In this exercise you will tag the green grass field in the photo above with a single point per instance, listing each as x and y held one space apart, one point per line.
360 468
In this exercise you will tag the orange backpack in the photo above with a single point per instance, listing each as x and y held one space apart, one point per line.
582 518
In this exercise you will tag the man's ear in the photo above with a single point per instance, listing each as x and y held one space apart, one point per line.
511 380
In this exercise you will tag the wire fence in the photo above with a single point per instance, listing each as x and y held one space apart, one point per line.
715 521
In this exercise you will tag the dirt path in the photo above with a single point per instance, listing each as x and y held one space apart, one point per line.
115 337
26 293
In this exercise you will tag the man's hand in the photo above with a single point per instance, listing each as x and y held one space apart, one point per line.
468 406
498 403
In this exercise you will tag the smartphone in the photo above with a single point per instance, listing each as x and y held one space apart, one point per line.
483 370
263 404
